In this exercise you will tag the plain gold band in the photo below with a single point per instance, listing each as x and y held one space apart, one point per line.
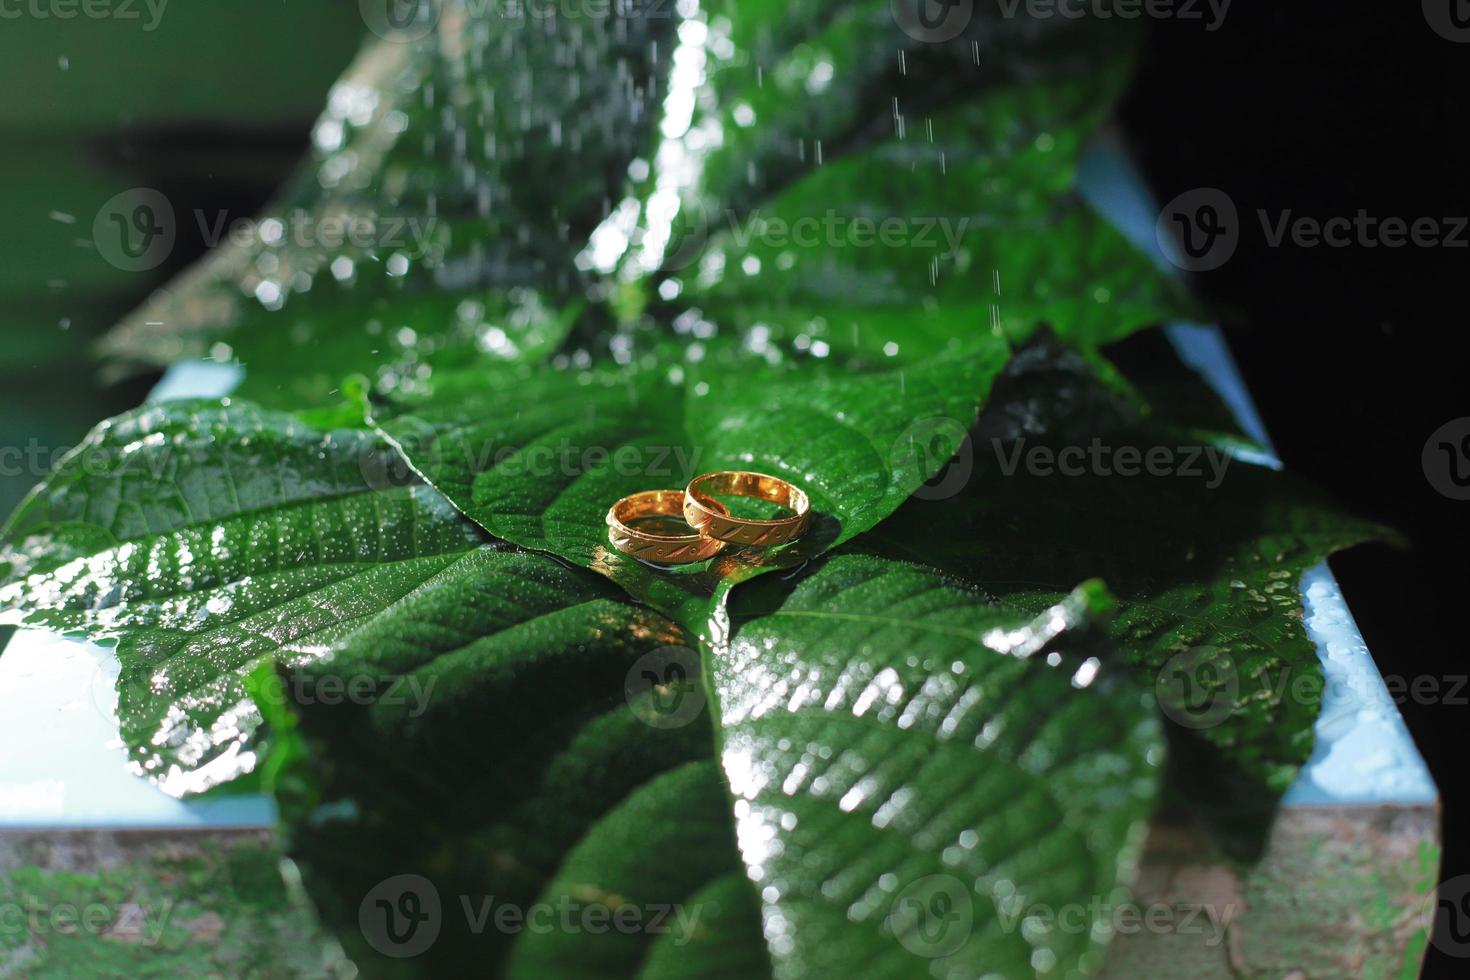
710 518
666 549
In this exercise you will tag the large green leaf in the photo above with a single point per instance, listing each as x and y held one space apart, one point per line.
537 456
207 536
822 190
478 220
211 537
941 743
516 728
904 774
873 720
1205 556
680 823
858 420
455 173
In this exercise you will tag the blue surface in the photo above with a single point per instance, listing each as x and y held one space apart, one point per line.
62 763
1363 752
197 379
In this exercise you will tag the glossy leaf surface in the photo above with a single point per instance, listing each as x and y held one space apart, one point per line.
538 458
459 166
207 536
1204 552
868 755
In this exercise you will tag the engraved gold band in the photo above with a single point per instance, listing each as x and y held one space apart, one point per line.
666 549
710 518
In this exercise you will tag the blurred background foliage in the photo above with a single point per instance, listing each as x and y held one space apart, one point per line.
212 107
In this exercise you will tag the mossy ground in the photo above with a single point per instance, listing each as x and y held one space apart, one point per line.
199 905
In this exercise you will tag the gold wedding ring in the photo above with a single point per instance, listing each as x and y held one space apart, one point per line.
666 549
710 518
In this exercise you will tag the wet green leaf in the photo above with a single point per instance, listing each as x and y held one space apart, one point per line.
435 226
668 852
207 536
826 191
521 719
907 755
537 456
210 537
454 175
871 721
866 754
1204 552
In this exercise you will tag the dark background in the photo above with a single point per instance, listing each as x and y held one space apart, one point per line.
1354 355
212 108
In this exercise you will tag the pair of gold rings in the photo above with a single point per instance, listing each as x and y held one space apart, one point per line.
712 524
